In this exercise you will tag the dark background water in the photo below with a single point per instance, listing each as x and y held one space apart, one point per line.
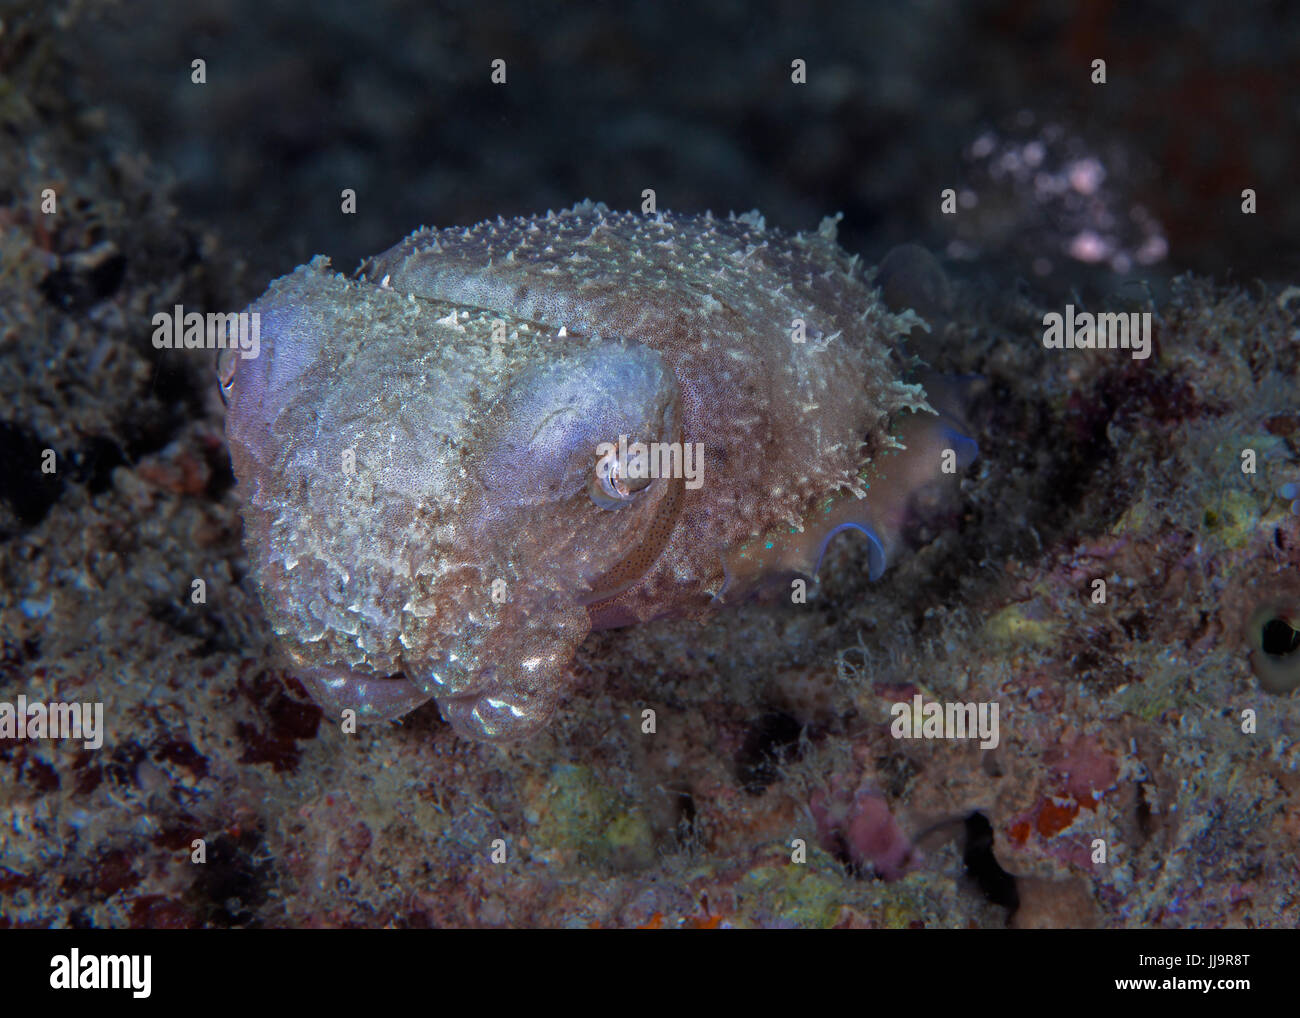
394 99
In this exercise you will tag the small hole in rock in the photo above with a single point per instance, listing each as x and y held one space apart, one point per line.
1279 638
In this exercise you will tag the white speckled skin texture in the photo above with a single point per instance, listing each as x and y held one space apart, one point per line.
415 446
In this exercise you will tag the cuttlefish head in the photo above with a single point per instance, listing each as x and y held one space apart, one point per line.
429 512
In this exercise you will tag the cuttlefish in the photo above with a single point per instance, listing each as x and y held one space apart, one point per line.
488 442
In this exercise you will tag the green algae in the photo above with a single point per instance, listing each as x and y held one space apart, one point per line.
1014 625
585 814
804 895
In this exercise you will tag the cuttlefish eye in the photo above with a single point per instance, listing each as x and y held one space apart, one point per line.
612 487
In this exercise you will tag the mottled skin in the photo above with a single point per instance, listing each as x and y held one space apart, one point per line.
472 373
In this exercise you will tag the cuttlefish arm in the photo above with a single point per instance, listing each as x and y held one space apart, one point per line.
930 451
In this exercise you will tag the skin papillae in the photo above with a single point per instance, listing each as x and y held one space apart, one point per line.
417 446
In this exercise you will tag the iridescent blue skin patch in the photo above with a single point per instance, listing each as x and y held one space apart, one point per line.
931 453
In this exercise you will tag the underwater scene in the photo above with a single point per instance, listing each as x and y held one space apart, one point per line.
649 465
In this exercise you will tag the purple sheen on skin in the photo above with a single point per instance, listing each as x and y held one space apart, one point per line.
269 379
547 428
373 698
